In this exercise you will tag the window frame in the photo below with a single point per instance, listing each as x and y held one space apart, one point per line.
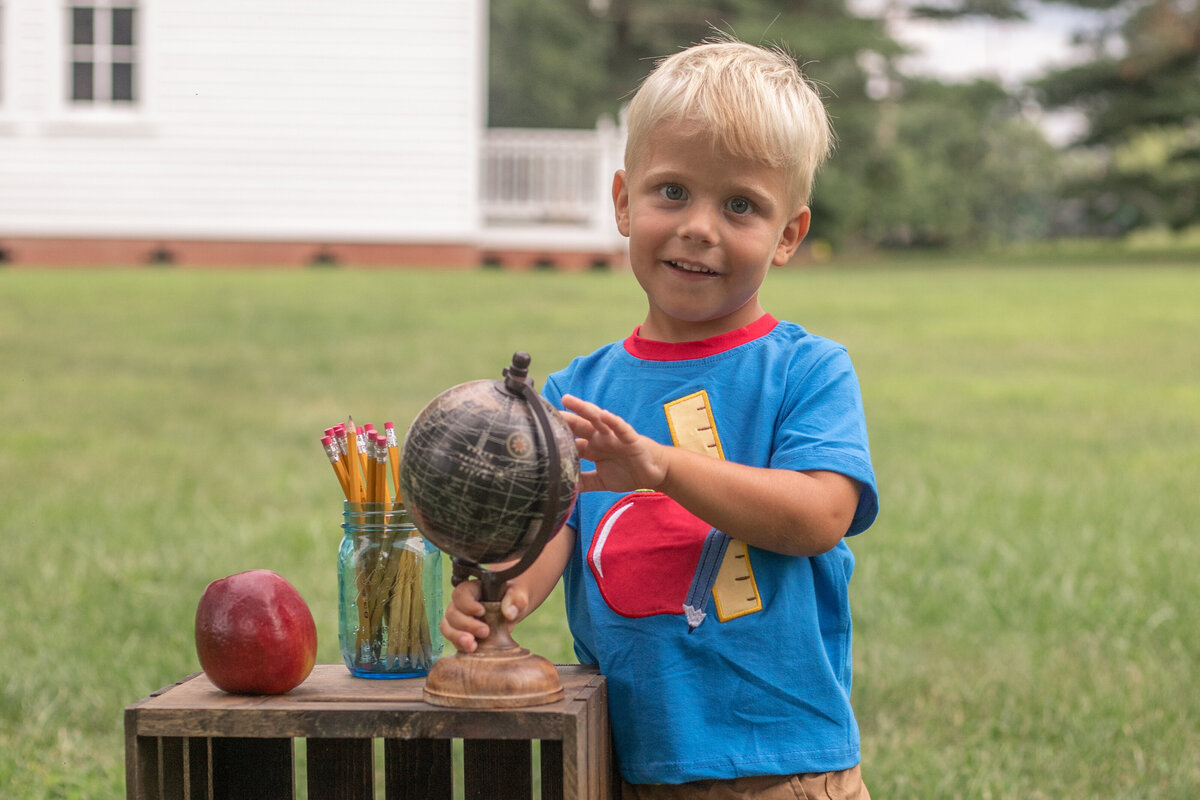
102 56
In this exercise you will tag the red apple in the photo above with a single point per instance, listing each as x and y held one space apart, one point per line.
255 634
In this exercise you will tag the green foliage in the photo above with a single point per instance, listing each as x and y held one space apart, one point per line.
1151 90
929 165
561 64
1024 607
949 165
545 65
925 164
995 9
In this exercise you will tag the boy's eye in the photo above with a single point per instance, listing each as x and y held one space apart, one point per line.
672 191
740 205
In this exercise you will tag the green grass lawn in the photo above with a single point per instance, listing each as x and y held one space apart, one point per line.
1025 606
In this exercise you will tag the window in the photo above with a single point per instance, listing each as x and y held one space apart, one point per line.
103 52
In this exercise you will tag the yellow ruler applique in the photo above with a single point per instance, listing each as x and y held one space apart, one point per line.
692 425
693 428
735 592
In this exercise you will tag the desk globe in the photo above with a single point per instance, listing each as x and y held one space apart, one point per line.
489 473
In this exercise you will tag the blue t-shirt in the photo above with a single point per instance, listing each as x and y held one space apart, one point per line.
761 686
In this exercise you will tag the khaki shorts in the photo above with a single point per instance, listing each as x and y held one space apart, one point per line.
844 785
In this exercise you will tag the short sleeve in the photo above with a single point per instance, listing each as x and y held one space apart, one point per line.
822 426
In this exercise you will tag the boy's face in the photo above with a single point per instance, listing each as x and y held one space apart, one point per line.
704 227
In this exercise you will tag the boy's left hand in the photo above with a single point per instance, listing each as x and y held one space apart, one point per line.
625 460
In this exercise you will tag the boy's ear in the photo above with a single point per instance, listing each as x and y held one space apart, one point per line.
793 234
620 194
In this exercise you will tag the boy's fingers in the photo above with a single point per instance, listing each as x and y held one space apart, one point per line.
572 402
462 624
590 482
589 411
461 640
597 419
509 611
460 620
466 597
577 424
515 601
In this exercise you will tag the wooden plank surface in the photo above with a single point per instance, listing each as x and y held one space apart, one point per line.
601 773
141 762
331 703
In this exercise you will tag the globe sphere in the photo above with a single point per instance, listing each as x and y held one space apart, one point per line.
475 472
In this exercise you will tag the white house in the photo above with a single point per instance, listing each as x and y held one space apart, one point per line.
263 131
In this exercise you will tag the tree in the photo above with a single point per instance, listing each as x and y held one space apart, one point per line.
954 165
559 63
1140 94
925 164
1138 161
547 63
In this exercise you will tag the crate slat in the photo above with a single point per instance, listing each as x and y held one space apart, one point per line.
192 741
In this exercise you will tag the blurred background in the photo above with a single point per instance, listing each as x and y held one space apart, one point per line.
464 132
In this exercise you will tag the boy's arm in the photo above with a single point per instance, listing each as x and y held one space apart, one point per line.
785 511
462 624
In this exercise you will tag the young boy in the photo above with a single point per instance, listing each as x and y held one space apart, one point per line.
725 457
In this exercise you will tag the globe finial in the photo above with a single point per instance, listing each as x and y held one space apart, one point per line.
518 373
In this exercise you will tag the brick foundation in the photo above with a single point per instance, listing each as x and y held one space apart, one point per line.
56 252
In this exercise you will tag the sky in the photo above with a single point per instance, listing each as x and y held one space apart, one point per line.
1011 52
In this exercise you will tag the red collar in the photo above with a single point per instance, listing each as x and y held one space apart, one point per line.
653 350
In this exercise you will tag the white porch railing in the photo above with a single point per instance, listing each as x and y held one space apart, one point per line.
551 187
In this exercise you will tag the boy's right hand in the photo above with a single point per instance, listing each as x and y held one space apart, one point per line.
463 624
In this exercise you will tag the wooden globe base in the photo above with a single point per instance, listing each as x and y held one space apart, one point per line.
499 674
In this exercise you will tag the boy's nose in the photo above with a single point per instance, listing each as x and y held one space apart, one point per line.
699 225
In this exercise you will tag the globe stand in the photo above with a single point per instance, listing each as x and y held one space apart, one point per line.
501 673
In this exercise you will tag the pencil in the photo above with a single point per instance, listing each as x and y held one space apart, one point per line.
393 449
339 439
381 465
372 467
360 440
353 474
335 461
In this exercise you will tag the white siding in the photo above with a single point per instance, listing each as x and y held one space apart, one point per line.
356 120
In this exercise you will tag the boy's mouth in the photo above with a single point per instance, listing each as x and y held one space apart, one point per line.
686 266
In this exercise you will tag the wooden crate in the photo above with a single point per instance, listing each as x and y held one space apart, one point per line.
192 741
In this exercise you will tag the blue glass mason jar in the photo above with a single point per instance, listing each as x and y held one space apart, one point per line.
389 593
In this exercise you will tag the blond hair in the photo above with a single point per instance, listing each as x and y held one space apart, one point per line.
754 100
